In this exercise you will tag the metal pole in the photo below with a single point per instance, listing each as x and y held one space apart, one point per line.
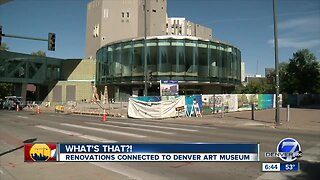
275 28
145 48
24 37
288 112
252 112
222 110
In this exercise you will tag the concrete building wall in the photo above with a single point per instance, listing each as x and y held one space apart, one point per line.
80 75
202 31
183 27
83 90
94 12
85 71
113 20
156 17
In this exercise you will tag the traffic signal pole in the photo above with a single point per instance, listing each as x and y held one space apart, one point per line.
51 39
145 50
24 37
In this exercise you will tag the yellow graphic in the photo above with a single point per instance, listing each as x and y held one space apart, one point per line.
40 152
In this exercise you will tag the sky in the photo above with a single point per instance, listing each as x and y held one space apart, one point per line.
246 24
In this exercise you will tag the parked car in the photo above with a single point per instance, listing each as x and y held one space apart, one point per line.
1 103
11 102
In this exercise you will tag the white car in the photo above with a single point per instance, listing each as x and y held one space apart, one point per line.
11 102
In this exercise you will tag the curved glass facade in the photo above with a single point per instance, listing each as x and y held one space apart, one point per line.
184 59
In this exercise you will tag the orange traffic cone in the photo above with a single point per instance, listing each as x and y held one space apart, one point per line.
18 109
104 118
38 109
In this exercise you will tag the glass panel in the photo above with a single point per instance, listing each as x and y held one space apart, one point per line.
213 62
178 59
116 64
203 60
138 59
164 65
191 59
127 59
223 63
152 57
110 71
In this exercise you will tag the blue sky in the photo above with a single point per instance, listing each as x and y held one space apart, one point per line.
247 24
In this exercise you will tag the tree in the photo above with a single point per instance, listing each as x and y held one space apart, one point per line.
39 53
255 87
4 47
6 89
302 74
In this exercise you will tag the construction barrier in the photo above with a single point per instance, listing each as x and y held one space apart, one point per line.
38 109
104 117
59 108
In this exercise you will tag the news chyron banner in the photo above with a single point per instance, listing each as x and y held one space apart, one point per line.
141 152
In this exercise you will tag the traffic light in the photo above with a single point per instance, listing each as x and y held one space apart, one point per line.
0 35
52 42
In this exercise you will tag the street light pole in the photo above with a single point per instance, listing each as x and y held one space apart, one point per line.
145 49
275 28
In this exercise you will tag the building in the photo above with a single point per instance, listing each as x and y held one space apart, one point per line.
183 27
113 20
243 72
176 48
269 71
74 84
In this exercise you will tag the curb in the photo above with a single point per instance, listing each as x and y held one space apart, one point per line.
95 113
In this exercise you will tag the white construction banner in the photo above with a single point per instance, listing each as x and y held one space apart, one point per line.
154 107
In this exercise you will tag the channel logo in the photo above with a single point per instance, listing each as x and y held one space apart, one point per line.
288 150
40 152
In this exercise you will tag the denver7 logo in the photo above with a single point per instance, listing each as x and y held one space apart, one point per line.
290 149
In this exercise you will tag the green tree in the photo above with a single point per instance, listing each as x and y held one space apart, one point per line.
6 89
255 87
39 53
302 74
4 47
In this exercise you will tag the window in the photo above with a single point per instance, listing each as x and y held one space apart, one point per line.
153 10
128 14
122 14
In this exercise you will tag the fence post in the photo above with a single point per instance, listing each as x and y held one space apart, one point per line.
222 111
288 112
252 112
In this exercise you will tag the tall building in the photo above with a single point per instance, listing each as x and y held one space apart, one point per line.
176 49
243 72
113 20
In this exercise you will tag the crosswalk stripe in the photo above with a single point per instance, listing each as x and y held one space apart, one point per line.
160 127
163 122
104 130
24 117
132 128
71 133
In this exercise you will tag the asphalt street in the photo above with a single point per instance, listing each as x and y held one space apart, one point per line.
19 127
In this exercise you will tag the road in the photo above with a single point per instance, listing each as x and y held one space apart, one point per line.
19 127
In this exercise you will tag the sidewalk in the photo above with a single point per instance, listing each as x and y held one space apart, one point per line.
302 119
113 110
